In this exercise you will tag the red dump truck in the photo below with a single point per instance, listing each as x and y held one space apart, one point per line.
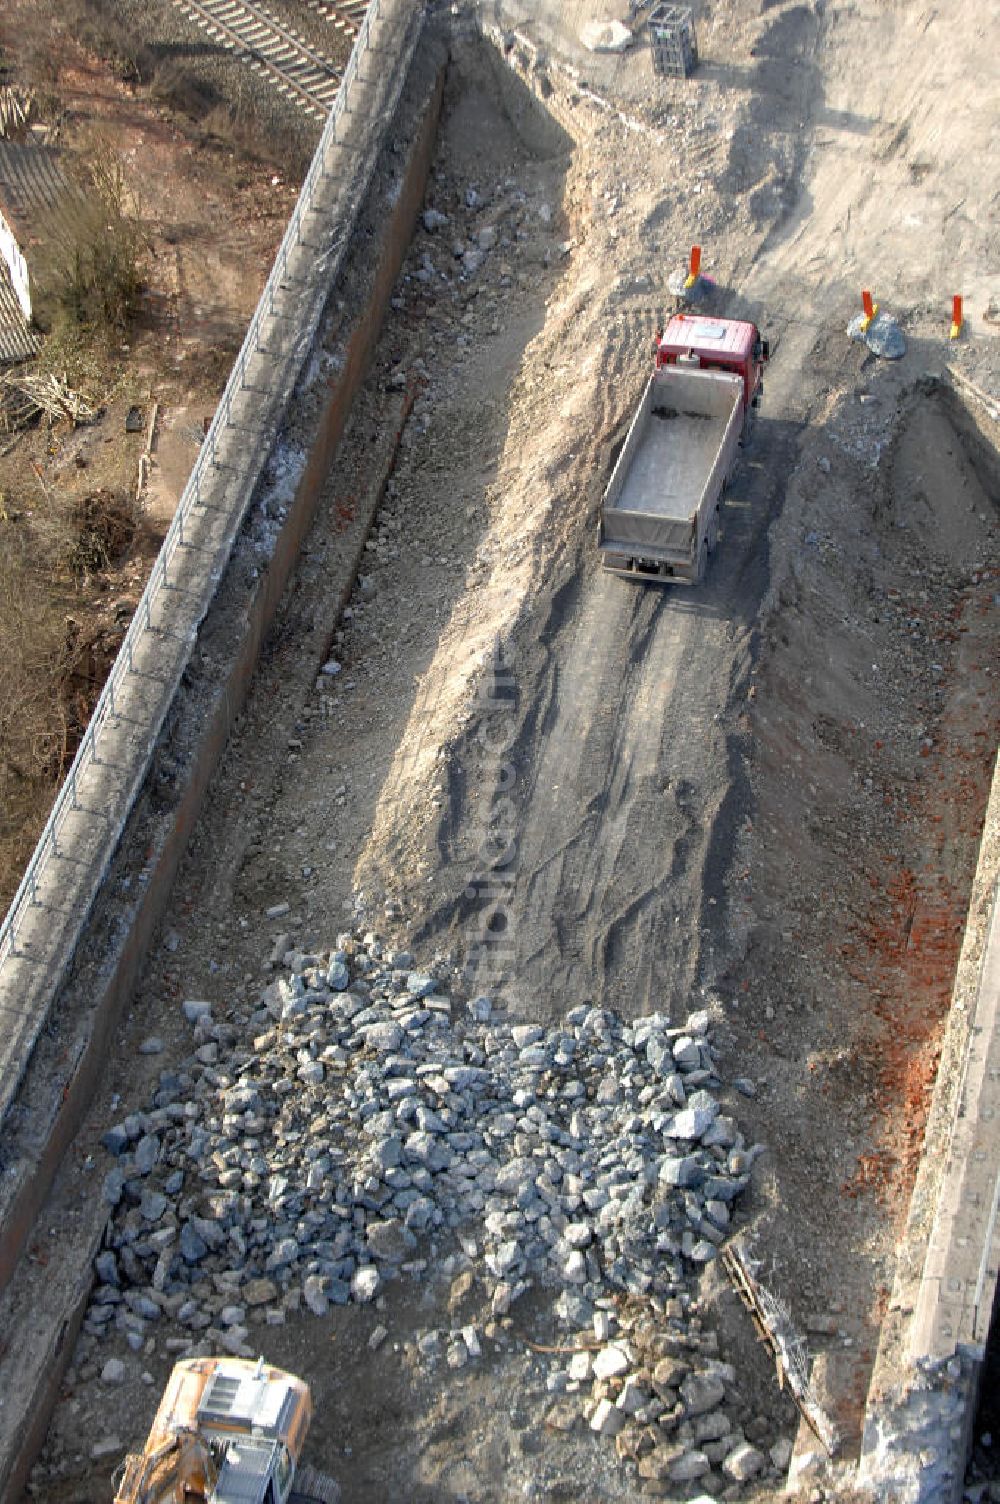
660 512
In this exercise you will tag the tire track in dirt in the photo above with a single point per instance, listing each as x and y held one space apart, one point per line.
617 841
625 776
585 736
622 764
615 826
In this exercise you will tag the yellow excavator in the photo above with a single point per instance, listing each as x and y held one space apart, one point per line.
227 1431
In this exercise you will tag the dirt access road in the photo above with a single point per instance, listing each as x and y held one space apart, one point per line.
741 794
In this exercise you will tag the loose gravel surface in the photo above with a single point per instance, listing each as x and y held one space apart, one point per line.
635 848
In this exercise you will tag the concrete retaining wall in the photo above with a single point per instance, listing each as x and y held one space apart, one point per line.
39 1319
925 1384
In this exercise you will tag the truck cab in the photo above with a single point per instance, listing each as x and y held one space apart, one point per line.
731 345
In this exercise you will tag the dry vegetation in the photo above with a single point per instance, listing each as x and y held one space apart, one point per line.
59 542
33 719
90 270
61 548
75 544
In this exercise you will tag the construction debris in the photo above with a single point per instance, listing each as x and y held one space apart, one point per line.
881 333
17 110
25 397
606 36
773 1322
146 457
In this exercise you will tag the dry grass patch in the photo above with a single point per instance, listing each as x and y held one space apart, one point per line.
33 715
88 268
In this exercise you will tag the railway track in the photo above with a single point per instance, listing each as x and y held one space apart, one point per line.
298 70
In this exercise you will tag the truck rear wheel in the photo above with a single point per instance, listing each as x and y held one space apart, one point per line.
703 560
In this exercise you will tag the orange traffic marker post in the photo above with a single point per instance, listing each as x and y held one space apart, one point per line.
956 316
694 266
871 309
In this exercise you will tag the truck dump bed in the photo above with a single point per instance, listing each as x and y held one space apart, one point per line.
680 448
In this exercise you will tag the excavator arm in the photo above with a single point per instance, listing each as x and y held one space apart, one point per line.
180 1471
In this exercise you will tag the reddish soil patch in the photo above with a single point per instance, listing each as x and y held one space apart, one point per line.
906 951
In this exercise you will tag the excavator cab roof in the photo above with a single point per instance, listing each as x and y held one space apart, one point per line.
252 1399
228 1431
